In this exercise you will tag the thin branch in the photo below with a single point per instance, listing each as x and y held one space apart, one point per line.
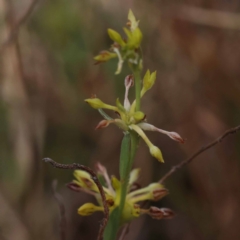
14 32
97 182
201 150
63 221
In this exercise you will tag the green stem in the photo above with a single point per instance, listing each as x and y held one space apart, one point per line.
137 81
114 222
128 162
104 114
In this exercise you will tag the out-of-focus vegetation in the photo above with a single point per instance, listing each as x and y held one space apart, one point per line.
48 71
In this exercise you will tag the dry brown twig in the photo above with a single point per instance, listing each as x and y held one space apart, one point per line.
201 150
95 179
63 221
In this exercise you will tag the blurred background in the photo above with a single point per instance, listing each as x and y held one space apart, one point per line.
46 71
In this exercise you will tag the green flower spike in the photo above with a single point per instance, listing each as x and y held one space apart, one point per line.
130 119
112 189
125 50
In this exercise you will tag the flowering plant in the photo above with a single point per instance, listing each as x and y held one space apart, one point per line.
123 199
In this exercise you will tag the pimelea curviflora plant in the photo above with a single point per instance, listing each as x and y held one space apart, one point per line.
121 198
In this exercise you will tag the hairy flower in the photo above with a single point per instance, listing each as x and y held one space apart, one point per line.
130 119
112 189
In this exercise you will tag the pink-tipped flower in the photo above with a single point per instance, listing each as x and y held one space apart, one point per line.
173 135
160 213
159 193
167 213
74 187
129 81
102 124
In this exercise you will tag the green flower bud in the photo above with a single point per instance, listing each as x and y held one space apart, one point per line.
88 209
96 103
139 116
148 81
104 56
116 37
153 78
155 152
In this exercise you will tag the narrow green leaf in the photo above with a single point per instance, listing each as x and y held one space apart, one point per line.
111 230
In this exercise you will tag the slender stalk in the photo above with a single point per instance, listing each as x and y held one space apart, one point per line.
128 150
132 145
115 217
125 175
137 80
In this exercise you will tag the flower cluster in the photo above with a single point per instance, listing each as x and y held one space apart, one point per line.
130 119
124 49
112 189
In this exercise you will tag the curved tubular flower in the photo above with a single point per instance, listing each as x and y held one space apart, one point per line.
130 119
125 50
112 189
